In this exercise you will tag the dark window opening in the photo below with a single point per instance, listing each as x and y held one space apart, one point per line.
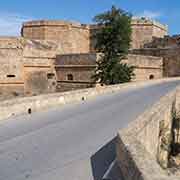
70 77
50 75
29 111
151 76
11 76
53 83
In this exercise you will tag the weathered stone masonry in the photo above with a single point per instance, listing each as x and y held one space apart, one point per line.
57 56
148 149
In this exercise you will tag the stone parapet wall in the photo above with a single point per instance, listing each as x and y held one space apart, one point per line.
20 106
146 67
63 86
54 23
142 145
11 90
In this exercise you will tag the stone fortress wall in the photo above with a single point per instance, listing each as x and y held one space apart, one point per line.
73 37
77 38
11 77
56 56
144 30
82 66
25 65
168 48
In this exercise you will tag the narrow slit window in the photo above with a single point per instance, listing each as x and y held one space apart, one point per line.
11 76
50 75
70 77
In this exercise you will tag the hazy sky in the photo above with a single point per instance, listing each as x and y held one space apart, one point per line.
14 12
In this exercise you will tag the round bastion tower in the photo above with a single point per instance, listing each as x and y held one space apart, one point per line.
77 38
72 37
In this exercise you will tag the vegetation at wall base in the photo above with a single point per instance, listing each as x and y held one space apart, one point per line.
113 41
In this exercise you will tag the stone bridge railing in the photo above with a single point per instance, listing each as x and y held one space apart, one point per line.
145 147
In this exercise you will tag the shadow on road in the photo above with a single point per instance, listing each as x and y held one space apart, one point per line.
102 160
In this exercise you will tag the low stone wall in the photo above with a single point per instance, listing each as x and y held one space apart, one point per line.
145 143
25 105
146 67
63 86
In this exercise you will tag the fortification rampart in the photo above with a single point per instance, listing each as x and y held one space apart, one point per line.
68 34
144 30
170 55
81 69
145 67
73 37
30 59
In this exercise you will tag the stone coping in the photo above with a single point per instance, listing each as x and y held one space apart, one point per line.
54 23
140 21
136 21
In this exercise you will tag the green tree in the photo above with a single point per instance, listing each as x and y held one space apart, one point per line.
113 40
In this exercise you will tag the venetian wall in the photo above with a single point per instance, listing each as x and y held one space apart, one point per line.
72 37
26 67
11 60
80 66
171 58
33 67
11 67
146 67
144 30
78 38
164 42
38 70
56 55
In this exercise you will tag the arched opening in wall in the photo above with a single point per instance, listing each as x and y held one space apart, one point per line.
151 76
70 77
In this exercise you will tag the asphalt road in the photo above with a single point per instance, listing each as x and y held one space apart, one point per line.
73 142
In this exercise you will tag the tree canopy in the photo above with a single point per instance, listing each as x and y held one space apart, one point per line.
113 39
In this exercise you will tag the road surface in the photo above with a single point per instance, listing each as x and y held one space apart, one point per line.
73 142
